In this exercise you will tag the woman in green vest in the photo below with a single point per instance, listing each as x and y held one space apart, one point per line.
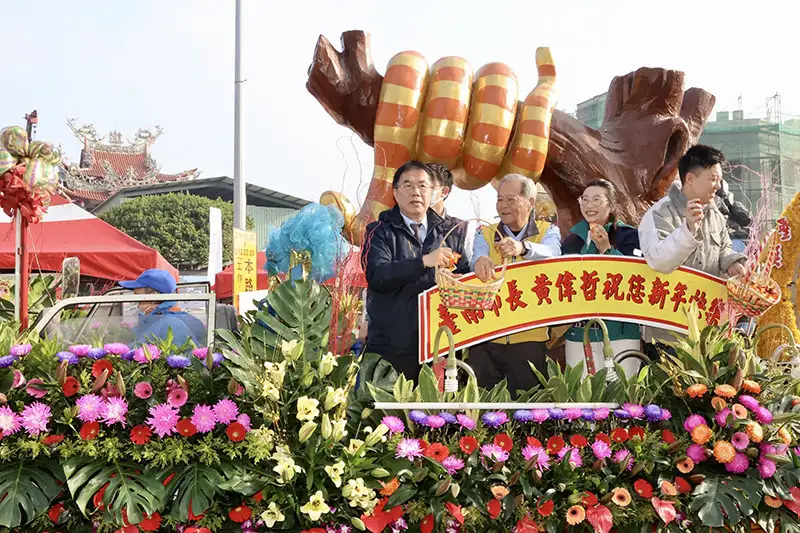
601 233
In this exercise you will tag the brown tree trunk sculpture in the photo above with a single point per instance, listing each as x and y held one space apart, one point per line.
649 123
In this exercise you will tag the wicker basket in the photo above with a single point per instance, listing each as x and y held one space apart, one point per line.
747 300
456 294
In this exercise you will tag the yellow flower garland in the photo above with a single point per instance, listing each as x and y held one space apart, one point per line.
785 311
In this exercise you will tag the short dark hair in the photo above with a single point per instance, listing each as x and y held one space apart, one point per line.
699 156
444 177
412 165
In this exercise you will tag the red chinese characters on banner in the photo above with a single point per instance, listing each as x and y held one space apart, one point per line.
589 281
658 293
611 287
715 311
678 296
473 316
564 285
446 318
514 298
699 299
636 289
784 229
541 288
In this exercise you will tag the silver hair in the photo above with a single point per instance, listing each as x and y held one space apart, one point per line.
527 186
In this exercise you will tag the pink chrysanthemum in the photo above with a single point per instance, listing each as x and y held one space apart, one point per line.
763 415
90 407
721 418
244 420
9 421
539 455
540 415
766 468
465 422
394 424
20 350
114 411
35 418
574 460
739 464
692 422
601 413
696 453
452 464
200 353
740 440
177 397
81 350
624 458
408 449
601 450
226 411
163 419
494 452
573 414
749 402
140 355
116 348
203 418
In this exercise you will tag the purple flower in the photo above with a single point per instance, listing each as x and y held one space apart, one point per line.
116 348
69 357
90 407
216 359
35 418
81 350
749 402
624 458
494 452
225 411
128 356
540 415
740 440
636 411
408 449
572 414
538 454
766 468
7 360
96 353
465 422
622 414
666 414
433 421
556 413
739 464
449 418
601 413
178 361
114 411
20 350
763 416
587 414
418 417
652 412
523 415
601 450
163 419
494 419
203 418
452 464
244 420
396 527
394 424
721 418
696 453
693 421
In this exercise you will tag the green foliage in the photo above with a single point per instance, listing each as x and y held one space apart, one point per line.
41 294
174 224
194 485
28 488
720 500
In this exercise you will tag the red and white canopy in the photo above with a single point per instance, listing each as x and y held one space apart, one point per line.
67 230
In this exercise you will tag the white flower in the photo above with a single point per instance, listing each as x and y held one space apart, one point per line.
359 495
334 397
307 408
271 391
292 349
378 435
286 469
339 430
335 472
272 515
354 446
307 431
327 364
326 426
316 506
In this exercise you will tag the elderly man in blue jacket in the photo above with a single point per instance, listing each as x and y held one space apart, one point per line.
156 319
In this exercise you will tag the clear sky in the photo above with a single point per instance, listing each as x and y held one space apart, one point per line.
132 64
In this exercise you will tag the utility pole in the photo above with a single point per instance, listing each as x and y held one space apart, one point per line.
239 185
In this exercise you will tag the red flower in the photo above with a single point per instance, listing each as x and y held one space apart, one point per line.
140 434
55 512
89 430
495 508
468 444
437 451
643 488
423 444
258 496
426 526
579 441
196 530
589 499
603 437
314 530
636 431
151 523
52 440
668 436
619 435
555 444
97 499
186 428
533 441
168 479
71 387
682 485
236 432
504 441
455 512
240 514
99 366
129 529
546 508
193 516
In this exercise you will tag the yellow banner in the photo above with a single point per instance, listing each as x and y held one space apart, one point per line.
565 290
244 263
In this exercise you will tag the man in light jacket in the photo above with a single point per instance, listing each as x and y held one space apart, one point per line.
685 228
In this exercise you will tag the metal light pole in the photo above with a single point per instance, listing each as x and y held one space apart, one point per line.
239 190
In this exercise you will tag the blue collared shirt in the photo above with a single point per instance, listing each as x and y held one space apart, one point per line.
423 230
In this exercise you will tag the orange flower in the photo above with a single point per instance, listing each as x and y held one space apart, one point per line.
701 434
724 451
725 391
575 515
697 390
755 432
739 411
621 497
389 488
668 489
718 403
773 502
685 465
785 436
751 386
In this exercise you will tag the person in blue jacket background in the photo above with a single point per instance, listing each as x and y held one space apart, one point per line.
600 232
156 319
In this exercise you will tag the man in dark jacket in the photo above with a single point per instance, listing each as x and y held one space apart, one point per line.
401 251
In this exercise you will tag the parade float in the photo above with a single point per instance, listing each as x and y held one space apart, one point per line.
279 427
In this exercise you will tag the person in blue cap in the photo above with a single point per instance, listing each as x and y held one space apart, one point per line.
156 319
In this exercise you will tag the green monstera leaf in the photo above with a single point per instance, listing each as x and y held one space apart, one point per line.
29 487
302 312
131 488
195 484
725 500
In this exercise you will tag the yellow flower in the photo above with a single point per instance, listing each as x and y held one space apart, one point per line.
621 496
575 515
316 506
353 446
335 472
307 408
292 349
286 469
272 515
327 364
334 398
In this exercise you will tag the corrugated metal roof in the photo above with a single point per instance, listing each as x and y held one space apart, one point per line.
267 218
